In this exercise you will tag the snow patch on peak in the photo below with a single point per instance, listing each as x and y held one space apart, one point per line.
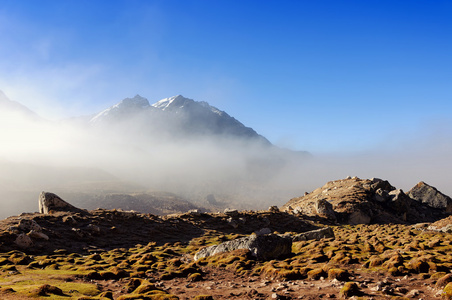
171 101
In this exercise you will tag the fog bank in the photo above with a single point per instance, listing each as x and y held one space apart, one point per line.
69 158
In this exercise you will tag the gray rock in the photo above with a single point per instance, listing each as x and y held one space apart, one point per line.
317 234
262 247
231 212
381 184
325 209
23 241
263 231
49 202
27 225
430 196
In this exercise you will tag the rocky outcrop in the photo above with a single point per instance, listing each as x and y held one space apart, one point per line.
49 202
363 201
263 247
430 196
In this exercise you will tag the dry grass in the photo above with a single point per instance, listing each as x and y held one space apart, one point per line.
396 250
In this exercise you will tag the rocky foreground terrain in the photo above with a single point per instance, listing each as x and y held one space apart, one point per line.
353 238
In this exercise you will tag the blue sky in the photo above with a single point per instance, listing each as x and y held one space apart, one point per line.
323 76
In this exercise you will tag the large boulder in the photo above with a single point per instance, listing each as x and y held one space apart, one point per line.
49 202
430 196
263 247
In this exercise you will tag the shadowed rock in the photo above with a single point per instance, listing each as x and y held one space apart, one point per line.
314 234
325 209
49 202
262 247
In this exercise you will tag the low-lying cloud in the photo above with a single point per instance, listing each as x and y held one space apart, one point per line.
69 158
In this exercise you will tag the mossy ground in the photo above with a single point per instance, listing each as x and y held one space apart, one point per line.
392 251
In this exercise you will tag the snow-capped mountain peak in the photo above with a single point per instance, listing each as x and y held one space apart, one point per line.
127 105
175 116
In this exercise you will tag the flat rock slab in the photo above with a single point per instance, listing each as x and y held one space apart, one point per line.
262 247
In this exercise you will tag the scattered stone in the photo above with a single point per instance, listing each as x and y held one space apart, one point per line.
412 293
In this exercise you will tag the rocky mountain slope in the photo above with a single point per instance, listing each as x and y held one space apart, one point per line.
15 109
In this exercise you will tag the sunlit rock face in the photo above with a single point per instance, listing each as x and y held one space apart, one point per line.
363 201
430 196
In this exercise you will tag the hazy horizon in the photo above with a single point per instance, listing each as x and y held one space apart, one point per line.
72 158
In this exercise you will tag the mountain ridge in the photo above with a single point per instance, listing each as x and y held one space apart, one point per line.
10 106
178 114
